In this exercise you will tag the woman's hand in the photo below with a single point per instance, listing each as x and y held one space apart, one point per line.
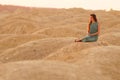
94 34
90 34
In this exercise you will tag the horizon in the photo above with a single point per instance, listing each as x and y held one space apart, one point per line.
88 4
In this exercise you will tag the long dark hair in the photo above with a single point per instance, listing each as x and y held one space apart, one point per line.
94 17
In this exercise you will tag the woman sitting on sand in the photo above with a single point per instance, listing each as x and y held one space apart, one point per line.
93 30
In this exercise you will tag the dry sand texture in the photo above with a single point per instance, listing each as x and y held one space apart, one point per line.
38 44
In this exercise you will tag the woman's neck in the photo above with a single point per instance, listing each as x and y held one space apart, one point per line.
93 21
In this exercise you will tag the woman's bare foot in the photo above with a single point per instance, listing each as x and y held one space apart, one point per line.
78 40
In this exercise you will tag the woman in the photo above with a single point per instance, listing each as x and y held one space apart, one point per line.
93 30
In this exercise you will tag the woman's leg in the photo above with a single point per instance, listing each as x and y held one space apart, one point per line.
82 40
89 39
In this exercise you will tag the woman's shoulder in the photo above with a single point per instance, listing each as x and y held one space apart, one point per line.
97 23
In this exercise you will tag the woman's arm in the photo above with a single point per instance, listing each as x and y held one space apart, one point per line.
88 28
97 33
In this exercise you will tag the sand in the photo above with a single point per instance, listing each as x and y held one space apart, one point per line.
38 44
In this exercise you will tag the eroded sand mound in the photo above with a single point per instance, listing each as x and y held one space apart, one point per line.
38 70
34 49
18 25
89 64
111 38
99 63
69 52
11 41
62 32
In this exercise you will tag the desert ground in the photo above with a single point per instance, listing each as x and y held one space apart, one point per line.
38 44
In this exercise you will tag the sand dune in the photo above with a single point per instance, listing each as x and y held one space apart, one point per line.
38 70
111 38
90 64
11 41
97 65
38 44
68 53
34 49
62 32
18 25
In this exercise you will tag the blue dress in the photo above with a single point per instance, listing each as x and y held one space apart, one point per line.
93 29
